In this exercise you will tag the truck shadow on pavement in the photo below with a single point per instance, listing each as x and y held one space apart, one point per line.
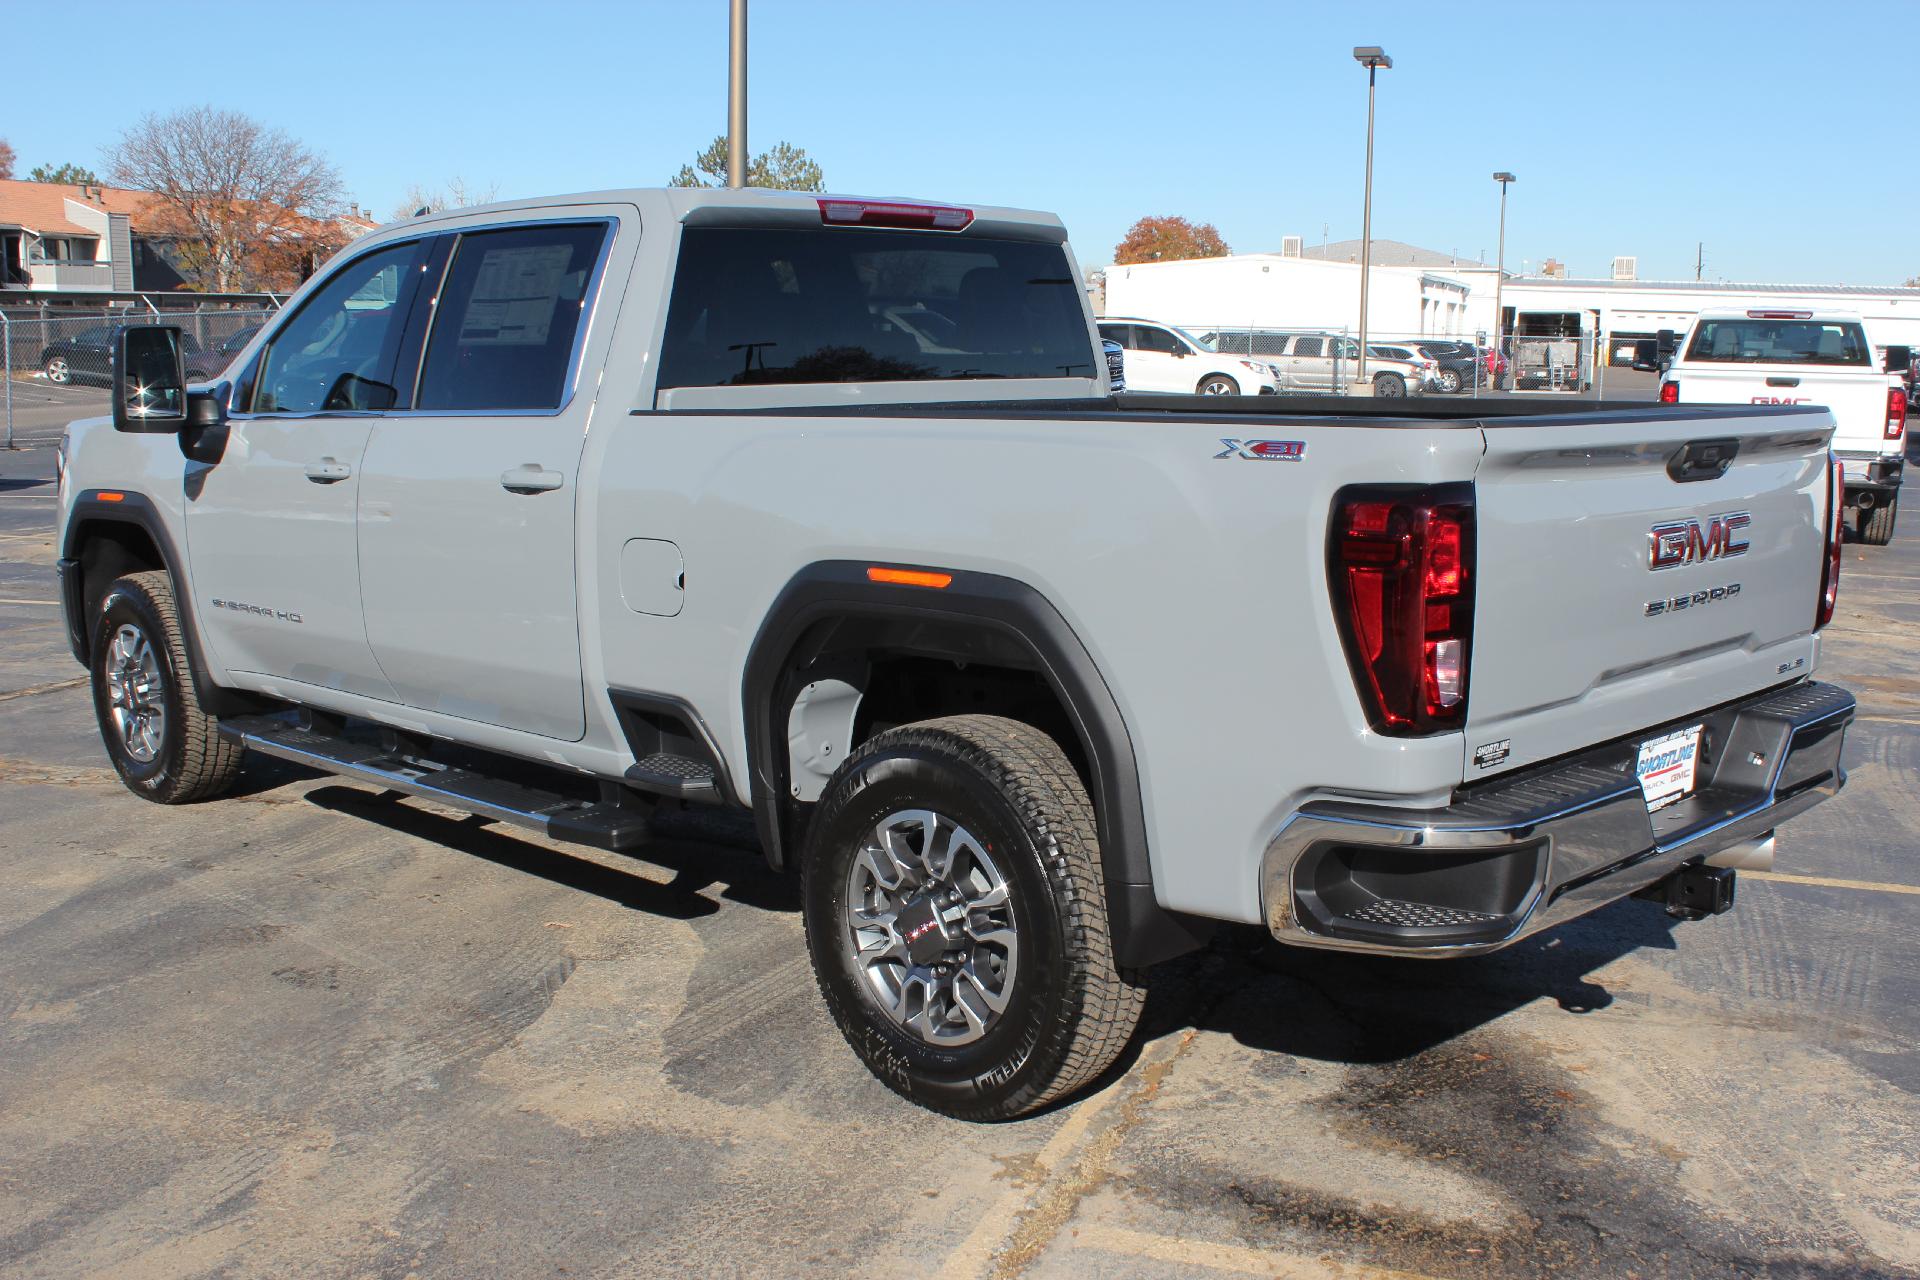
683 845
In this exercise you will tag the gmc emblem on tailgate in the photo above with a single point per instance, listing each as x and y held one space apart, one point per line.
1693 541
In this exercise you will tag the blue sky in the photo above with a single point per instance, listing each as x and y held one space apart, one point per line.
1772 131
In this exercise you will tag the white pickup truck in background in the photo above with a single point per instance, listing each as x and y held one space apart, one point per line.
1809 357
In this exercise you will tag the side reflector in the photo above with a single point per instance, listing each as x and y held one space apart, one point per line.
894 213
909 577
110 497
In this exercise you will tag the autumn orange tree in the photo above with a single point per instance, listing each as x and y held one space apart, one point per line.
1169 240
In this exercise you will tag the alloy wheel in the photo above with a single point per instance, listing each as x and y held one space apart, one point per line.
136 694
931 926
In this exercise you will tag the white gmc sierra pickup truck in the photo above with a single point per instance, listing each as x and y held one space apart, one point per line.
1774 357
561 510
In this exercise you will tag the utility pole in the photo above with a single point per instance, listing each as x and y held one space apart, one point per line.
1699 259
737 97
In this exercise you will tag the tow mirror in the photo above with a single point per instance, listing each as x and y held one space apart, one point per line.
1667 344
149 380
1899 359
1646 355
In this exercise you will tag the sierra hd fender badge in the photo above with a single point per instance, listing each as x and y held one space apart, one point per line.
1264 450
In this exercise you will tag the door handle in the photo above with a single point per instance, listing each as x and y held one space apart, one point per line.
530 477
328 471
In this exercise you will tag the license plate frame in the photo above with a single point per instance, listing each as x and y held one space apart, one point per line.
1668 767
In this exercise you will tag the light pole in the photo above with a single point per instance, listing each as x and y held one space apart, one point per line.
1372 57
1500 268
737 96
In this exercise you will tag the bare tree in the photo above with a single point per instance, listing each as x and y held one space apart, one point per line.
455 195
230 191
6 158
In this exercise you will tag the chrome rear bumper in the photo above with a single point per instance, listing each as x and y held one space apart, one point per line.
1523 853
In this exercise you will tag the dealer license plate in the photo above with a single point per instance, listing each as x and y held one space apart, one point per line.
1668 767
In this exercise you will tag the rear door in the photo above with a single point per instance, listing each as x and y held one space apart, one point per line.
1150 350
1307 363
468 501
1612 596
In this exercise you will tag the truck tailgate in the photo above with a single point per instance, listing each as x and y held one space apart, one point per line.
1578 636
1857 397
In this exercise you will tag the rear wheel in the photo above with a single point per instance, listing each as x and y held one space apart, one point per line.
956 918
1218 384
1389 386
163 746
1450 380
1875 525
58 370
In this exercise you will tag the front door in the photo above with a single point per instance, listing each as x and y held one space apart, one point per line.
468 502
1158 356
271 525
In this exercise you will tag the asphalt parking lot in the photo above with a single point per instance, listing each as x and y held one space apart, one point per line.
312 1031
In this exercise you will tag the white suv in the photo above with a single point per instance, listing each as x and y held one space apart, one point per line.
1161 357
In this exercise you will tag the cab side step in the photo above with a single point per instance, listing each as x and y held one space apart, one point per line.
602 824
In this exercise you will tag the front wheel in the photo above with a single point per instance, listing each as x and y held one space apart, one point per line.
1875 525
956 918
1450 380
1218 384
163 746
59 371
1389 386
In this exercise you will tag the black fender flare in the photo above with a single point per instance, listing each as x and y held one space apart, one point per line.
136 510
1012 612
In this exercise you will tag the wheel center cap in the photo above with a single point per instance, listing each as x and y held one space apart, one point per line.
921 929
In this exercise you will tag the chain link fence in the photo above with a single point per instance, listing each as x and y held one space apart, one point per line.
57 364
1326 360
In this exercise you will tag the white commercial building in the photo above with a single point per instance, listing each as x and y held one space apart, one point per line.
1419 291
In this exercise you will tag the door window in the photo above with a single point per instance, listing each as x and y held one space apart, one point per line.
504 328
1158 340
336 353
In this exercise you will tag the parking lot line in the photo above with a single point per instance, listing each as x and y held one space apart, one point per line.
1230 1258
1831 882
33 689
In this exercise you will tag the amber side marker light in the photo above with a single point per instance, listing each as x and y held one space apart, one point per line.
909 577
105 496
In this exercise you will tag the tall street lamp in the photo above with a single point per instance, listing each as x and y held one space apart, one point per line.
1500 271
737 95
1372 57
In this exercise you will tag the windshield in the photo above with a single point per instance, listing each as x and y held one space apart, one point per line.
1201 343
1755 341
760 305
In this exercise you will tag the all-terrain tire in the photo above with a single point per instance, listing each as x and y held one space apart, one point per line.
1876 524
178 756
1069 1010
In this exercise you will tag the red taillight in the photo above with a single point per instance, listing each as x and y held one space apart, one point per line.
1669 393
1896 412
1836 537
894 213
1401 571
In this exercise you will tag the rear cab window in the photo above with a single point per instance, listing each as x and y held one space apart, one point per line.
758 306
1763 340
